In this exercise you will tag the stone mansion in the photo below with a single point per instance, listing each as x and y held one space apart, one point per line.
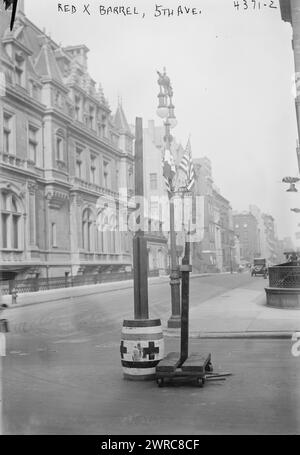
63 158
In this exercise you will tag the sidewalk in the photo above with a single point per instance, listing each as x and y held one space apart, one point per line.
53 295
240 313
236 313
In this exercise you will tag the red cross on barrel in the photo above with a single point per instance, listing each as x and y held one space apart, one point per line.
151 350
141 348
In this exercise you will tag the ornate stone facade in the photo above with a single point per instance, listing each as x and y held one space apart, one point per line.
62 155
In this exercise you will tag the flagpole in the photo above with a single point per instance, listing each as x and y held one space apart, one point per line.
175 318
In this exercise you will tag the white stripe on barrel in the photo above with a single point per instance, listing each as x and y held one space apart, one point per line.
142 347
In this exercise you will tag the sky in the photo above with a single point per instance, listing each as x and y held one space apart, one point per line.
232 74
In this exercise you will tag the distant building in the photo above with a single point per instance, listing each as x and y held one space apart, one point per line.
246 228
271 247
204 253
288 244
216 251
155 187
290 12
262 240
237 251
271 250
224 233
156 197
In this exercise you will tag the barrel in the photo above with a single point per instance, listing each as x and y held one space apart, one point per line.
142 347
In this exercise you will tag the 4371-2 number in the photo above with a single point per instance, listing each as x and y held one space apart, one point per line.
254 4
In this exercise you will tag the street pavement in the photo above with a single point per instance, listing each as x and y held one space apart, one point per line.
62 372
220 305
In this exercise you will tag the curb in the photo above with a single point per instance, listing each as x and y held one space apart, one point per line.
175 333
153 281
58 299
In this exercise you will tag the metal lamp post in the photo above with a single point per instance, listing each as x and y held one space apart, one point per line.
292 189
165 111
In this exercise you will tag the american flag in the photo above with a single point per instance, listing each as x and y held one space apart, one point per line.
7 5
187 166
169 170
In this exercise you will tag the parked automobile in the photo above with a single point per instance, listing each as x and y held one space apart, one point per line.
259 267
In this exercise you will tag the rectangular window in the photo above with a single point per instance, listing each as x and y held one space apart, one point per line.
32 143
4 221
19 75
34 90
93 174
93 169
105 174
15 221
153 181
78 163
100 240
7 133
89 248
59 149
83 234
92 118
103 126
78 169
77 108
53 235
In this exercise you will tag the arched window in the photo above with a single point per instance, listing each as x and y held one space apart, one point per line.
87 223
10 221
106 230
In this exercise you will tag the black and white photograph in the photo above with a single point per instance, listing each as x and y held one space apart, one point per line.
149 220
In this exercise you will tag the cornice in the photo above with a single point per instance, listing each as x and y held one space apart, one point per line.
26 99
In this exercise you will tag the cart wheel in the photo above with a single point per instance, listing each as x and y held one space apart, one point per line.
200 382
160 382
209 368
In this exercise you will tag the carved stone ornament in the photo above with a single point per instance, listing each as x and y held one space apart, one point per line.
56 199
32 186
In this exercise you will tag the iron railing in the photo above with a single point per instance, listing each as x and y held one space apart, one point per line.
284 276
45 284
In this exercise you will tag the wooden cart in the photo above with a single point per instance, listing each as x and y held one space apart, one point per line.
182 366
195 368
